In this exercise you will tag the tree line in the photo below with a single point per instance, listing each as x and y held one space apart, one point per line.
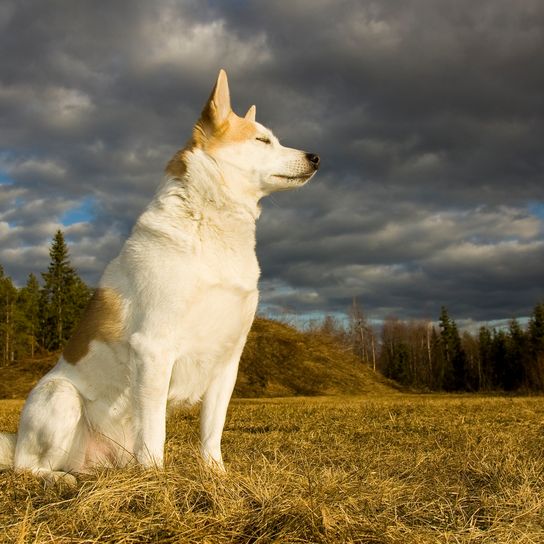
39 318
425 356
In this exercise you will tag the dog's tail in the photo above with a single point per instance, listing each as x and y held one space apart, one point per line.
7 449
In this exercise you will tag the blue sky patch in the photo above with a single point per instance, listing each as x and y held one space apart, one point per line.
537 208
5 179
81 213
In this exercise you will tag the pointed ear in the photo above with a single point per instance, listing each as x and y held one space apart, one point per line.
250 115
218 108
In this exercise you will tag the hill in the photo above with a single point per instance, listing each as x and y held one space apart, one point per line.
19 378
278 361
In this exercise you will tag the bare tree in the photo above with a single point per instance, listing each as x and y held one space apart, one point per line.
361 335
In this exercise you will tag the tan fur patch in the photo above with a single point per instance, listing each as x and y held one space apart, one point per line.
102 320
176 167
235 129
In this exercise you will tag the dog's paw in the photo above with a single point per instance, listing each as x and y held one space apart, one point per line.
59 478
214 465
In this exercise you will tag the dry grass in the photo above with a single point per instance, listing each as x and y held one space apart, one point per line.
396 469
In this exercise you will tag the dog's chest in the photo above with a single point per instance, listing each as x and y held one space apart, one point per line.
217 320
225 299
215 330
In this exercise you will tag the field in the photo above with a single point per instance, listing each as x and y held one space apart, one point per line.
392 468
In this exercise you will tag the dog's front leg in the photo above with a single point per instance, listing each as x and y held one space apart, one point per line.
214 411
151 369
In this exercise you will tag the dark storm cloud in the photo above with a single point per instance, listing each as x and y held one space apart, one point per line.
425 94
428 117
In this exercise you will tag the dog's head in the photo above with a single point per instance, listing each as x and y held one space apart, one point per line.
246 148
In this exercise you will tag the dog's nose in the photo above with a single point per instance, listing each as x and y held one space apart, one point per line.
314 159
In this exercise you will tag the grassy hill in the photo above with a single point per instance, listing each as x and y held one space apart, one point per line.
278 361
18 379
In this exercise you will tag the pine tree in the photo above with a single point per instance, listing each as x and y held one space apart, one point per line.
499 351
446 344
536 348
63 296
536 329
438 362
516 357
79 296
454 356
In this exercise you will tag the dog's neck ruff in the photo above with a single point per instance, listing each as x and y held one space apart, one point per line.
199 192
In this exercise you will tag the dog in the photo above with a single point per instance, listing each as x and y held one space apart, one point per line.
171 314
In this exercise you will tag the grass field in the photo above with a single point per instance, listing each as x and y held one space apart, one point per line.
382 469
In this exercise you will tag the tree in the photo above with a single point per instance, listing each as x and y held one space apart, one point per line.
408 353
454 355
536 348
79 294
536 329
394 355
64 296
8 297
29 309
473 370
499 353
330 327
487 376
388 354
438 361
361 336
418 340
516 357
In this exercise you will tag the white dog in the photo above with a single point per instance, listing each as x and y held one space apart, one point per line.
171 314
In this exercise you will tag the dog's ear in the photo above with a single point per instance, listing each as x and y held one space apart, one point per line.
250 115
217 108
219 101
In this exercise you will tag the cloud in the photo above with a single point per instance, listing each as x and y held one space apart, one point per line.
425 114
401 255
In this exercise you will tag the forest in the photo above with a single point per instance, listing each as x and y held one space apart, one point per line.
426 356
38 318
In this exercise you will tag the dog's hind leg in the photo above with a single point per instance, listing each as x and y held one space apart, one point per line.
53 432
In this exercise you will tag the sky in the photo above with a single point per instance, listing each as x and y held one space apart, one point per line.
428 116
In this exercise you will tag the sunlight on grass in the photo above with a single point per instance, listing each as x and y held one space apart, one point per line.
397 469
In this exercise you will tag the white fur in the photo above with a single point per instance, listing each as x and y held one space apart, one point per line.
187 277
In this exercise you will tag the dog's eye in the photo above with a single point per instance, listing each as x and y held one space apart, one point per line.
263 139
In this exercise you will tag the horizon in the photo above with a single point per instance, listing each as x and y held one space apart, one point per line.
426 115
305 321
